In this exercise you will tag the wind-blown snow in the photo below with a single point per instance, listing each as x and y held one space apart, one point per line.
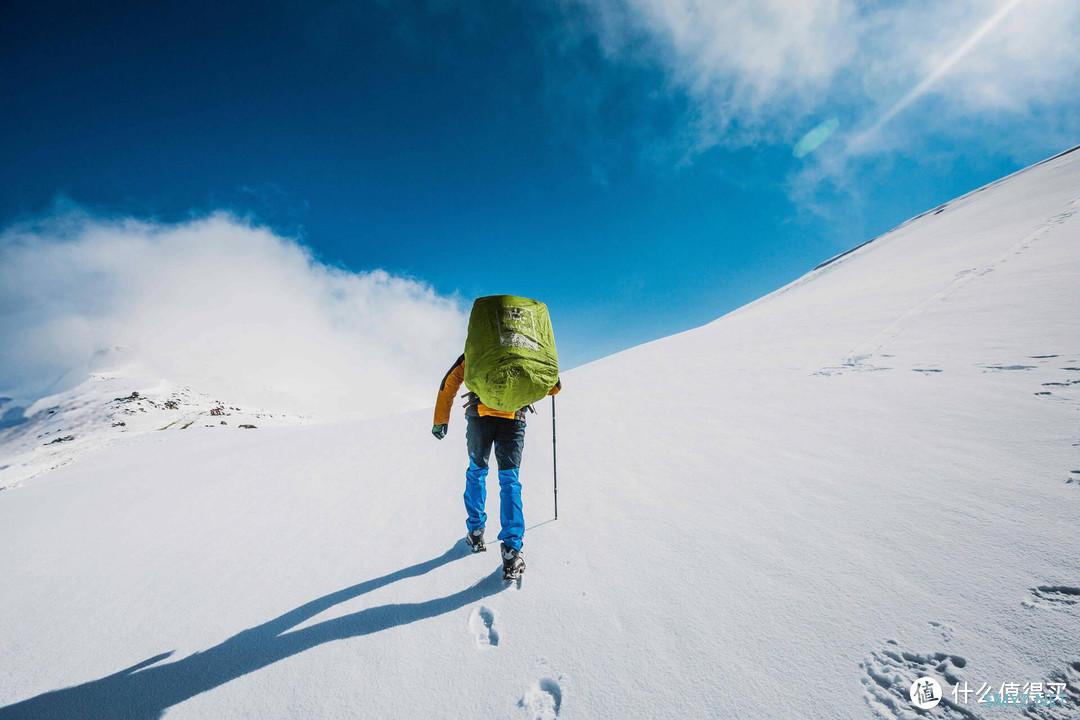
870 475
231 309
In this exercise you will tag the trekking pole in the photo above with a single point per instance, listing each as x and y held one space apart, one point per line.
554 459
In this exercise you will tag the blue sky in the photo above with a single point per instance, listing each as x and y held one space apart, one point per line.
631 163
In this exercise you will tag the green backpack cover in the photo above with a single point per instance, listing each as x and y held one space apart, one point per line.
510 358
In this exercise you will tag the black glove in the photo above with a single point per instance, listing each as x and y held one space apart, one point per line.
439 431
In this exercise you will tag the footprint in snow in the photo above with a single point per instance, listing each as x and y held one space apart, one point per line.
1058 596
889 672
482 625
946 631
543 700
1066 710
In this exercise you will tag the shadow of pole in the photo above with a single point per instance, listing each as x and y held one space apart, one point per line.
540 524
145 690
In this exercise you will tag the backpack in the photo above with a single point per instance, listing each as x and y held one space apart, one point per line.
510 356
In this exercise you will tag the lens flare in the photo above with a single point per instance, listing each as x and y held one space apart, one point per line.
812 140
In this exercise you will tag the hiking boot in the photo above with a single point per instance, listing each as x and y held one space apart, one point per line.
475 540
513 563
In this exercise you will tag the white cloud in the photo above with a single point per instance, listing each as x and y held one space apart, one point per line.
771 69
230 308
741 61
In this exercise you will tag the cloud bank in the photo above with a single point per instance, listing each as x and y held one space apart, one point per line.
230 308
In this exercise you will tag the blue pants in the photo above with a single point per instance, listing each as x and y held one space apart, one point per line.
508 437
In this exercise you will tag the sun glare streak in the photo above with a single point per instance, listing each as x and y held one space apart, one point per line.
936 74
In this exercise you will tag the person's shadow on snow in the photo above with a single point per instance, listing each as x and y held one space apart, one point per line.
146 690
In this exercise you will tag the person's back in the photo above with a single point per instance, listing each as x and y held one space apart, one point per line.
486 428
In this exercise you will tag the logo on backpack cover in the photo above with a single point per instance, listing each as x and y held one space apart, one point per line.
517 328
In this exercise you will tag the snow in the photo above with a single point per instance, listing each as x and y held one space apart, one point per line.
867 476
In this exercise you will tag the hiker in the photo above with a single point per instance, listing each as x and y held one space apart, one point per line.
486 427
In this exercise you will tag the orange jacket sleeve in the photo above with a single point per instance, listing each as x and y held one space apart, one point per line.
448 388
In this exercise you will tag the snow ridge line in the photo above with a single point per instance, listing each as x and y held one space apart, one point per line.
832 262
961 279
939 208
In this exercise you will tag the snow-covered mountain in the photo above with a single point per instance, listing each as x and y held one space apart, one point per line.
118 399
865 477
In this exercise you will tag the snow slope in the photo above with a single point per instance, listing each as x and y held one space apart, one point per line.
867 476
